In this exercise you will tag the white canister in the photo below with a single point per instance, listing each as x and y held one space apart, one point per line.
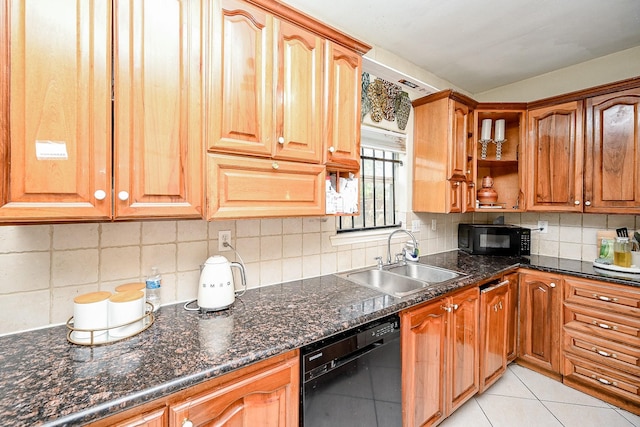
125 307
635 259
90 312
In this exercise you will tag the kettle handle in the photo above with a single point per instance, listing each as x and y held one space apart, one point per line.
242 275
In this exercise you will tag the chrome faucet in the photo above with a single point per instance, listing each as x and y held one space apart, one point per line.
415 243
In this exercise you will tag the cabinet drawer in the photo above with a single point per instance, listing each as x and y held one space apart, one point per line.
602 351
603 324
245 187
621 299
609 381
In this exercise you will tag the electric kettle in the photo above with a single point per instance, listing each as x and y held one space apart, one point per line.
216 290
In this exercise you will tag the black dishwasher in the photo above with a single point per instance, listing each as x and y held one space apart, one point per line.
353 378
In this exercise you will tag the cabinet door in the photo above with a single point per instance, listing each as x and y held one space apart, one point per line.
157 418
555 158
494 319
460 117
612 169
463 356
540 299
299 95
342 107
267 398
55 145
424 332
256 188
512 319
157 108
241 116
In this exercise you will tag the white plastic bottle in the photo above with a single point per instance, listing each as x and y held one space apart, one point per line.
154 284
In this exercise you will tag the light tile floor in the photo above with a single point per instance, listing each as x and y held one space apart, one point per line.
523 398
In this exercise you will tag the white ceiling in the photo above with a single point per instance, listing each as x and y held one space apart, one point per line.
481 45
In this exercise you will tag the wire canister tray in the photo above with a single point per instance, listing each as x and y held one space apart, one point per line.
95 337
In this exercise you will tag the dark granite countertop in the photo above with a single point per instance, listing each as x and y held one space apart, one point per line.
49 381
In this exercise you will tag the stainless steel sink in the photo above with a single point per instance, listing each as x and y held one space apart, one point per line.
384 281
401 280
426 273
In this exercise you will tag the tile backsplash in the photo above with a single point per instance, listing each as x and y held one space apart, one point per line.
43 267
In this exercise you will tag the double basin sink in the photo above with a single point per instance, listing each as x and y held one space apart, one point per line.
400 280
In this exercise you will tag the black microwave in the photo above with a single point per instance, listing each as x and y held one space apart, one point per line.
494 239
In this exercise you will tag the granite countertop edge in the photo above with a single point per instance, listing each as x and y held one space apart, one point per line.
219 342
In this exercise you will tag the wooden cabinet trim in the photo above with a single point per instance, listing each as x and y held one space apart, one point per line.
586 93
288 13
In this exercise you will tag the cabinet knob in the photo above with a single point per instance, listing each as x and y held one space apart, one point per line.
446 308
100 194
455 306
281 140
552 285
332 149
187 423
275 165
577 202
587 203
123 195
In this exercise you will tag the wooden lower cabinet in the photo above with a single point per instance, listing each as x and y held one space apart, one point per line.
440 357
494 322
264 394
601 341
540 297
512 322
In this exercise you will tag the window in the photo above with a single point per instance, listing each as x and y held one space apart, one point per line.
380 163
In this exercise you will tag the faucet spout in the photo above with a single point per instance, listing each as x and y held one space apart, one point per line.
415 243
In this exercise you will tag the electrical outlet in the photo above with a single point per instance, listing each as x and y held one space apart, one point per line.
543 226
415 225
433 225
224 237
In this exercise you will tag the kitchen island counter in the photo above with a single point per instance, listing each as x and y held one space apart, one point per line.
48 381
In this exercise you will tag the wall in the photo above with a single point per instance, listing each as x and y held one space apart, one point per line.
607 69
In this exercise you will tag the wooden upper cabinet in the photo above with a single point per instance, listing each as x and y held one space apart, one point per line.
440 164
457 170
57 164
342 98
612 168
55 145
299 95
266 85
158 109
555 149
240 115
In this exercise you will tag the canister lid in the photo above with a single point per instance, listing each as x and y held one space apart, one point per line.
92 297
126 296
136 286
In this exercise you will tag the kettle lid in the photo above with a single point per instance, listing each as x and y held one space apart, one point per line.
216 260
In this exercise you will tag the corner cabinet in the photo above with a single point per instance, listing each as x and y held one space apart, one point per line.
612 159
540 322
57 140
284 99
504 163
555 150
442 172
440 357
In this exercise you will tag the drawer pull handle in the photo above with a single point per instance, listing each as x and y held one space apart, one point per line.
603 325
605 298
603 381
604 353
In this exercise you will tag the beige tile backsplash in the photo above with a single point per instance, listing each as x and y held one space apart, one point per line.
43 267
